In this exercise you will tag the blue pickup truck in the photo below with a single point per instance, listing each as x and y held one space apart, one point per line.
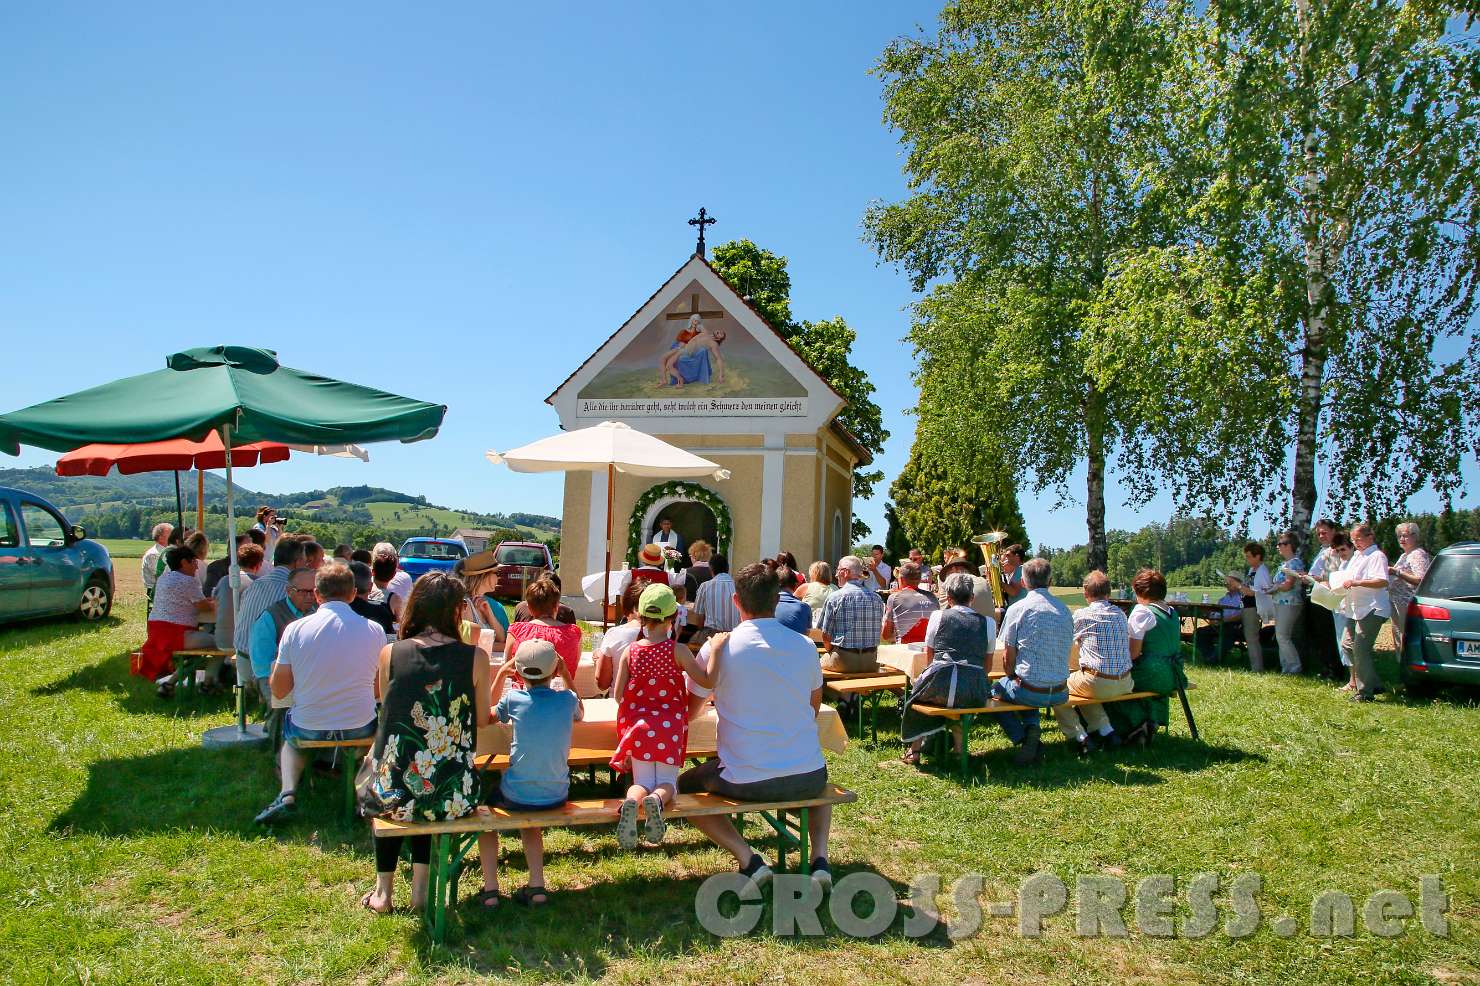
422 555
48 567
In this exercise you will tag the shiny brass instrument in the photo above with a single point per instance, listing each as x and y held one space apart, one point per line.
993 569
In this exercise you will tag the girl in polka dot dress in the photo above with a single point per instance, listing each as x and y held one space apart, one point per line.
652 715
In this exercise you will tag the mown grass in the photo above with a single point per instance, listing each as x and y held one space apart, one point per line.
130 854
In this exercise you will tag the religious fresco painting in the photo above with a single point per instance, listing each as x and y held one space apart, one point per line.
694 359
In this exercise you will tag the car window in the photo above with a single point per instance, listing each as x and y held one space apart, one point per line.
514 555
10 535
1451 576
43 528
432 549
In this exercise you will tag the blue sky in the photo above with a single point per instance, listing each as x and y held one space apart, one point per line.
458 203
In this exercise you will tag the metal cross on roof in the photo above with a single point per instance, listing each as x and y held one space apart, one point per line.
703 219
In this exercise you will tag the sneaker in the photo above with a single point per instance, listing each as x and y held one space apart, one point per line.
756 870
822 873
284 806
1084 747
627 824
653 826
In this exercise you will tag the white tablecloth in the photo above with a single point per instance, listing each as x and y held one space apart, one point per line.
598 730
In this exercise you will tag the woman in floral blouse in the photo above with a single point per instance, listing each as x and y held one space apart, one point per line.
435 693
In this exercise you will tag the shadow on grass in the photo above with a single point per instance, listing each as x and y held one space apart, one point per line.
195 789
53 629
652 916
134 694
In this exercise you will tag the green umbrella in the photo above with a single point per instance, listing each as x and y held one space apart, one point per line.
204 390
240 392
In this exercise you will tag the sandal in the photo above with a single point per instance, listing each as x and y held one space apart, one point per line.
627 825
654 828
365 903
527 895
165 690
488 899
910 758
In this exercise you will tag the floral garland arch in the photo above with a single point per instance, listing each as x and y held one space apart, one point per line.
687 491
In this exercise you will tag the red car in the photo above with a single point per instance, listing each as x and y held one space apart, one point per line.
517 564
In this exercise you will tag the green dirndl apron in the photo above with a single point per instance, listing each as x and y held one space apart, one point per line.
1159 669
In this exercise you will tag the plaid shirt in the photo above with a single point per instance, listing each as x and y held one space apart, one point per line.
716 603
852 617
1104 637
1041 628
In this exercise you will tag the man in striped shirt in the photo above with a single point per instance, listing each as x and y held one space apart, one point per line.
714 608
258 597
1104 637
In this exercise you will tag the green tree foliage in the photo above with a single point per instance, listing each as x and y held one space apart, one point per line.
1348 158
941 506
762 278
1327 193
1035 139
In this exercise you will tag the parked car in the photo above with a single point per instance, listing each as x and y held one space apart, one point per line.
517 564
422 555
48 567
1441 638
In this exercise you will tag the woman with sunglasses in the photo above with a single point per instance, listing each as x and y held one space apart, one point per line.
1289 599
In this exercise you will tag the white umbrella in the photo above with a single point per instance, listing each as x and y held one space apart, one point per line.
613 447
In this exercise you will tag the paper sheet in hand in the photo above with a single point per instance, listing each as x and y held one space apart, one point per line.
1323 595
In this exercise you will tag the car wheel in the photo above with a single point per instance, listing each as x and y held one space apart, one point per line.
97 601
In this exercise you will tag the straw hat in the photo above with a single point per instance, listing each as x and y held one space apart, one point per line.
651 556
479 563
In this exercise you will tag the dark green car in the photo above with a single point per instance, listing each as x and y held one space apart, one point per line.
1441 641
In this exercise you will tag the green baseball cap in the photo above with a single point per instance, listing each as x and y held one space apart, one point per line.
657 602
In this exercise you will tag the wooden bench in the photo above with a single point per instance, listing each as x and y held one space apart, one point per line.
451 840
187 662
868 687
348 764
969 715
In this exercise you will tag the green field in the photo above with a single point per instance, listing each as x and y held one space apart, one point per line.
135 547
438 520
131 855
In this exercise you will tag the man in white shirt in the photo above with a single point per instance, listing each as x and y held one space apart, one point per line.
1367 606
666 536
149 564
767 689
879 572
327 661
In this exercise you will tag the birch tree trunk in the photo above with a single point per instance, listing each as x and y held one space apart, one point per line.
1094 493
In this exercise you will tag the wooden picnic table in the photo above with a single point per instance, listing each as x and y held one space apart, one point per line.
1210 613
598 730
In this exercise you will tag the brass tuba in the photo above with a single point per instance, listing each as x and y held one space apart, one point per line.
993 568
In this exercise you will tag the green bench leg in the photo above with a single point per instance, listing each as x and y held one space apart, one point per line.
436 906
804 866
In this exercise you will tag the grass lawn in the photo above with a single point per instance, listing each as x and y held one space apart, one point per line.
130 853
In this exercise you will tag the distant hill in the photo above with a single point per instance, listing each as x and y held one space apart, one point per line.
148 495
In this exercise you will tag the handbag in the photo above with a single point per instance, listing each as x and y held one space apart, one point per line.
367 800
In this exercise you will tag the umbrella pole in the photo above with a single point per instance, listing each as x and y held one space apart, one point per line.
238 734
179 505
200 501
606 572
